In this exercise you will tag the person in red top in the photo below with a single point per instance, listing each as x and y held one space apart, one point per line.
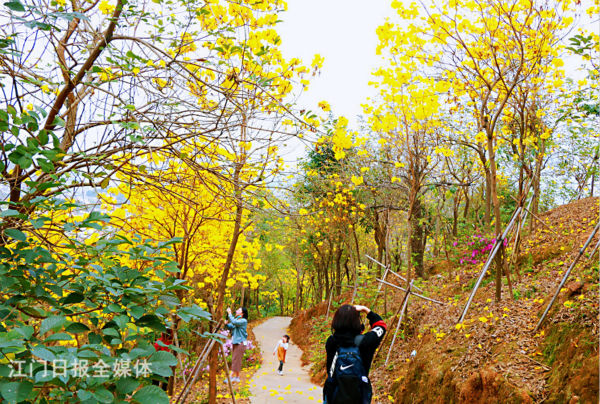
167 339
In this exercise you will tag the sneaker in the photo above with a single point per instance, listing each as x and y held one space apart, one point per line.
280 372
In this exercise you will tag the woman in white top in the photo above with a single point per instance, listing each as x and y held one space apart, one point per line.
281 348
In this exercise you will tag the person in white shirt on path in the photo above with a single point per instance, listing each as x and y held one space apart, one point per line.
281 349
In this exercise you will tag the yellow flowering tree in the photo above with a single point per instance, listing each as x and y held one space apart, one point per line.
479 53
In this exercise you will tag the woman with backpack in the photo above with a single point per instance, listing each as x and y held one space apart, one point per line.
349 355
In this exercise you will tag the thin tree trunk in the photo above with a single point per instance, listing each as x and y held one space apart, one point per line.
214 354
487 219
498 219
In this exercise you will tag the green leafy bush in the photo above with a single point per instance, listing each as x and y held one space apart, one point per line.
78 318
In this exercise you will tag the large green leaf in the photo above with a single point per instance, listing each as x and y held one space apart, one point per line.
15 392
127 385
193 312
52 323
9 213
16 234
74 297
77 328
15 5
161 362
151 321
41 352
103 395
151 394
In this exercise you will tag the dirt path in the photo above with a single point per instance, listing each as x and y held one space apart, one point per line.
269 387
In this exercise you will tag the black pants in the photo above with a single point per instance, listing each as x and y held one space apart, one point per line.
280 366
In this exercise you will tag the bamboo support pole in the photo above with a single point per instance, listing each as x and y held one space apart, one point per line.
392 272
329 303
227 373
495 250
384 274
196 369
595 249
331 296
521 223
196 372
541 221
402 311
386 334
183 377
564 279
411 292
404 279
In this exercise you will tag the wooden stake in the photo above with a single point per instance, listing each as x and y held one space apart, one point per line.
513 254
331 296
195 373
176 342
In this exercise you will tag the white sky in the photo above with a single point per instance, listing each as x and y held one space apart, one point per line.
343 32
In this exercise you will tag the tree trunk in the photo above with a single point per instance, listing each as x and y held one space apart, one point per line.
487 220
258 301
496 203
455 216
537 173
214 354
417 246
437 240
467 201
338 271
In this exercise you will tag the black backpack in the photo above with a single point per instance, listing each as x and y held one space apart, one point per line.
347 381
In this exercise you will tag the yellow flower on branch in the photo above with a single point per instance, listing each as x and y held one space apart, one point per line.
106 8
357 180
324 105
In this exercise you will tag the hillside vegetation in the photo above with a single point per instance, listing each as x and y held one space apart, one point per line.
494 355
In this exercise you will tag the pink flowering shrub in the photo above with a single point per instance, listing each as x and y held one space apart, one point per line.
477 248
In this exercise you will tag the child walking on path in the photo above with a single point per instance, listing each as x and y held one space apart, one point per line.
281 348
